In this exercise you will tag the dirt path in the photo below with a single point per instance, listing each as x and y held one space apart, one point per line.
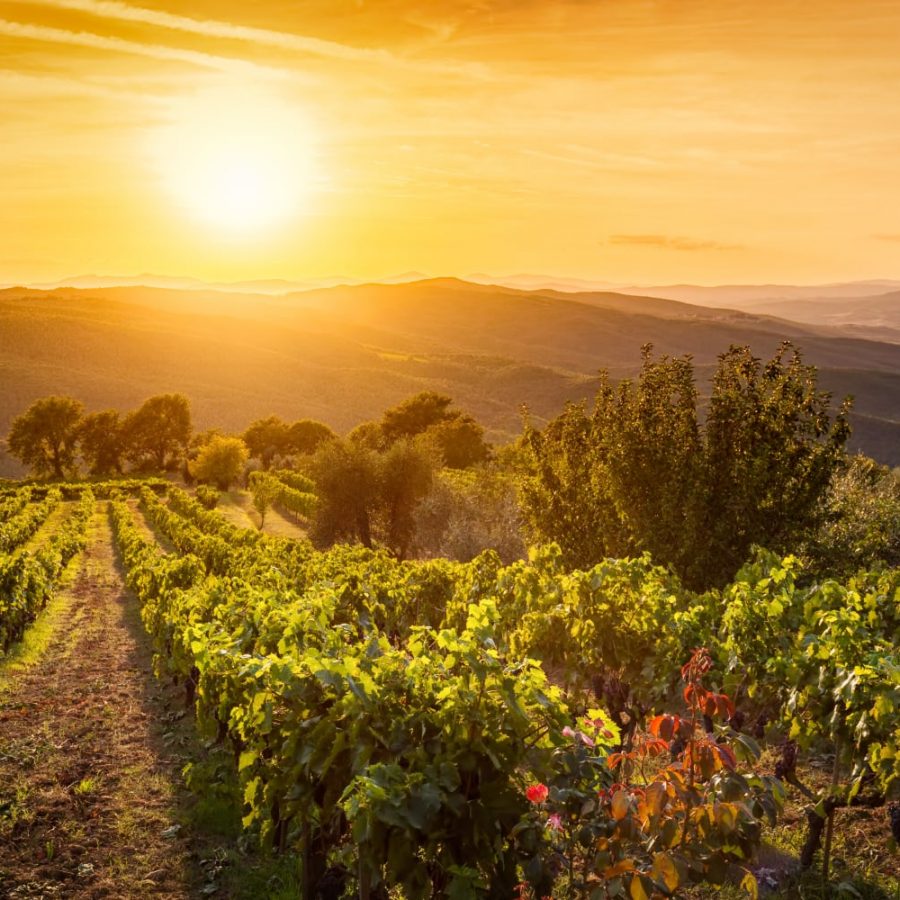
49 526
90 786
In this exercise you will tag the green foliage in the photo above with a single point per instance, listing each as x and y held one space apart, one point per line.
405 474
271 437
346 477
365 495
305 436
270 488
102 443
461 441
45 436
402 751
457 436
20 527
468 512
207 496
641 474
416 415
295 480
14 503
220 462
771 453
264 491
861 523
821 662
27 579
266 438
157 434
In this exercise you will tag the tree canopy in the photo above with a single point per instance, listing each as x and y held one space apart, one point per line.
45 436
102 442
642 473
157 434
220 462
428 415
266 438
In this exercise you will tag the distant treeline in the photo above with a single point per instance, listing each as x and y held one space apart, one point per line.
56 438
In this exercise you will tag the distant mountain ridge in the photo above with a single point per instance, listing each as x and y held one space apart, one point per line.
343 354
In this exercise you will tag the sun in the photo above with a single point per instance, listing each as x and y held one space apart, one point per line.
235 159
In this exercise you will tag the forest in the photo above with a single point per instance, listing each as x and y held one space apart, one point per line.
643 650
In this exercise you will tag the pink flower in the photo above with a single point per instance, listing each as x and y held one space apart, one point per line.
555 822
571 733
537 793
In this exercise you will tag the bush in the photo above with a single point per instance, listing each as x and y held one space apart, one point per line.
220 462
208 496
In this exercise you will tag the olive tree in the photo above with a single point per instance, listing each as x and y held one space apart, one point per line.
45 436
157 434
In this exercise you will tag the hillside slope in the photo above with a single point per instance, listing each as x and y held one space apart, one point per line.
344 354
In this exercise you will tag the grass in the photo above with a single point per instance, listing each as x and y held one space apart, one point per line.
38 636
86 786
237 507
233 862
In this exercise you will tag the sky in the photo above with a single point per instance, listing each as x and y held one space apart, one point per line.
708 141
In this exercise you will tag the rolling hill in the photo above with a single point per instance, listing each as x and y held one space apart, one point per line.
343 354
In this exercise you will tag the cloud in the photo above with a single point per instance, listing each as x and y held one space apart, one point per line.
669 242
154 51
892 238
113 9
265 37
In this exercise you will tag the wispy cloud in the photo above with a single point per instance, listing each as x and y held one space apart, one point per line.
119 45
112 9
264 37
892 238
669 242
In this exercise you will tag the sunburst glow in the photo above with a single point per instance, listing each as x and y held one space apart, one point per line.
241 161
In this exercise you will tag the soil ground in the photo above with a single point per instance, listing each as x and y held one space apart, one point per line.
88 785
93 800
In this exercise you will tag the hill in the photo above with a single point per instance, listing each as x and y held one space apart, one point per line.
343 354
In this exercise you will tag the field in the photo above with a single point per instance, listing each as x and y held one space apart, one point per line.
334 696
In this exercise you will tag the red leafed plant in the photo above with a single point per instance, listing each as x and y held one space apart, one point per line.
672 809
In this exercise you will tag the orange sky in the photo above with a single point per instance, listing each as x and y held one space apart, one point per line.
627 140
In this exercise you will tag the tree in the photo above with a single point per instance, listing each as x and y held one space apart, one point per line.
368 496
415 415
368 435
264 490
461 441
45 436
220 462
459 436
266 439
771 453
158 433
305 436
346 477
861 525
469 511
405 473
102 442
640 473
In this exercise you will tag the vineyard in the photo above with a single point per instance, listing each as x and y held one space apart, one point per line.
442 729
